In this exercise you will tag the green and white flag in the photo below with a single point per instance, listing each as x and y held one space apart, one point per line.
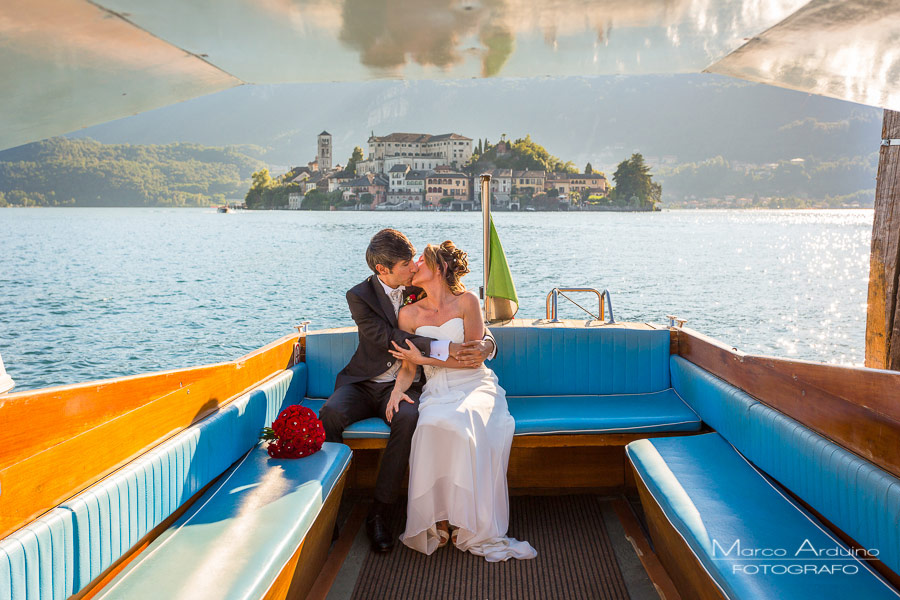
502 302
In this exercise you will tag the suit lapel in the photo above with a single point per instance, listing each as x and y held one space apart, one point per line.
386 305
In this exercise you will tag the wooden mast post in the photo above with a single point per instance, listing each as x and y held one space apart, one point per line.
883 317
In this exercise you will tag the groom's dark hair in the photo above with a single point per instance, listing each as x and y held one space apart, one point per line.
388 247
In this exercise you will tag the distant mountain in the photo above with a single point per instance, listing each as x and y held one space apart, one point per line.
602 120
704 136
83 172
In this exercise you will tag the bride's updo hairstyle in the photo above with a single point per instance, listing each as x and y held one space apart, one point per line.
450 262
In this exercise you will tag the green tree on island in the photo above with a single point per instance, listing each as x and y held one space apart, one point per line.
356 157
634 186
588 169
524 155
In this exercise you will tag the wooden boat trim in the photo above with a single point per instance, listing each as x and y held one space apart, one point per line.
649 560
855 407
297 576
686 571
547 441
36 482
339 552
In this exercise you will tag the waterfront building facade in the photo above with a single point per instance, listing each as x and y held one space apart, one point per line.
446 184
323 155
449 148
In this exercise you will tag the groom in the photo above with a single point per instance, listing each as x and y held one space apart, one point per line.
363 387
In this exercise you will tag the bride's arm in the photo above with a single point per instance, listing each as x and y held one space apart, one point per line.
407 372
405 377
473 320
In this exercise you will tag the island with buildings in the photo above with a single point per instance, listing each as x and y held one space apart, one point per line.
416 171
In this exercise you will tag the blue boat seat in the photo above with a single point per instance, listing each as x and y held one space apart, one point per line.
556 415
235 539
558 380
616 413
61 553
726 509
859 498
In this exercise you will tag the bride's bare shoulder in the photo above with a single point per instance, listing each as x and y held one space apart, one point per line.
407 317
469 300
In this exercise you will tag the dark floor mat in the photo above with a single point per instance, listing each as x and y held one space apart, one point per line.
575 560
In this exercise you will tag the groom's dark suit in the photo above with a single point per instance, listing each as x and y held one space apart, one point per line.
357 397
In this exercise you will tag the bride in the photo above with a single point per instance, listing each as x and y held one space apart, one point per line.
460 449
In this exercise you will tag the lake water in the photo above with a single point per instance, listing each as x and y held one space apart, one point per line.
96 293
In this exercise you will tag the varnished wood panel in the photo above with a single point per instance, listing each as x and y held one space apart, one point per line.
341 548
34 483
567 468
297 577
685 570
635 535
547 441
559 468
883 315
61 412
856 407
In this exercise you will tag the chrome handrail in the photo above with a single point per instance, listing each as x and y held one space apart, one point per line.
553 303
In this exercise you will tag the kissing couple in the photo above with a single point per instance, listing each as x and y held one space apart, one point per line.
419 366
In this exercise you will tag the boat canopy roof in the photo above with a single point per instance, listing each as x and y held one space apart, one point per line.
70 64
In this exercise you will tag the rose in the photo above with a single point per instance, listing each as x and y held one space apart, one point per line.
297 432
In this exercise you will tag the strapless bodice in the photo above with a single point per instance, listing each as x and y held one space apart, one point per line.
452 329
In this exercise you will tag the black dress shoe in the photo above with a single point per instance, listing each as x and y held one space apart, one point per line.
379 534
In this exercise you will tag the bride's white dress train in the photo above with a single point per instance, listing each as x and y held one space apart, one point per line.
458 461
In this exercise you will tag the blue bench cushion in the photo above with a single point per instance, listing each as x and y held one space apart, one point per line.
724 508
367 428
535 361
57 555
859 498
547 415
635 413
570 361
235 539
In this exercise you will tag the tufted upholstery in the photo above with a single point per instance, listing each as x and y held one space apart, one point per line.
326 354
713 497
858 497
607 380
536 361
569 361
722 406
232 543
547 415
57 555
617 413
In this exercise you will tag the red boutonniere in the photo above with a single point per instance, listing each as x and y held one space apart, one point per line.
410 299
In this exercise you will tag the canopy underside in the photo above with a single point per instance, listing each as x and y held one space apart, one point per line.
69 64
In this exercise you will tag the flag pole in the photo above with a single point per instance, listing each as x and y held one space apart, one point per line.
486 214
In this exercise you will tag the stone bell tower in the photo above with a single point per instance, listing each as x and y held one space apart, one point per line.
323 156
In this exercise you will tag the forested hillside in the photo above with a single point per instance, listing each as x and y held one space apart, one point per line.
83 172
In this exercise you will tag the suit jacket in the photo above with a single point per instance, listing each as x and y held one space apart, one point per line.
373 313
376 322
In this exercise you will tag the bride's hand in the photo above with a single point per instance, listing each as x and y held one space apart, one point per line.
393 405
410 353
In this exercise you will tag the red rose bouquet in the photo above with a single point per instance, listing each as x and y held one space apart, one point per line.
296 433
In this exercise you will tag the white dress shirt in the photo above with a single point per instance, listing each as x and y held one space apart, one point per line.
440 349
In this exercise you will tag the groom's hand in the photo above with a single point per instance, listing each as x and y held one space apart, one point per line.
410 353
393 405
472 354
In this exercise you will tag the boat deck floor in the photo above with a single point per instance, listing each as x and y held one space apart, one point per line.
589 546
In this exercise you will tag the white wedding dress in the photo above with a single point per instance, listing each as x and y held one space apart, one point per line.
458 461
